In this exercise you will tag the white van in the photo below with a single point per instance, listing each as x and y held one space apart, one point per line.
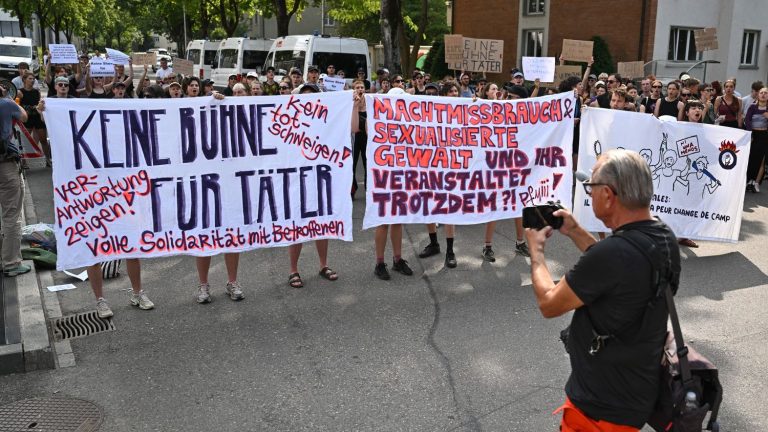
238 56
202 53
14 50
348 54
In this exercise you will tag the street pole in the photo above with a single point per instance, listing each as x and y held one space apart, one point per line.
322 17
184 11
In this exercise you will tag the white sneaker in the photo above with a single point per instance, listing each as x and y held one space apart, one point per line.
203 293
102 309
235 291
756 185
141 300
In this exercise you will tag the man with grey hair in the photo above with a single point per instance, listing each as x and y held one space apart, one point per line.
619 323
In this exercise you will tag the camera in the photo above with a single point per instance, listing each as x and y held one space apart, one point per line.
540 216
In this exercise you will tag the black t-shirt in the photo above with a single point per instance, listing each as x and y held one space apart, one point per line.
649 104
72 86
668 108
614 281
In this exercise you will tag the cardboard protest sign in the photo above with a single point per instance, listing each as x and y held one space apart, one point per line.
63 54
705 39
698 170
102 67
634 69
454 48
197 176
542 68
565 71
334 83
455 161
480 55
117 57
140 59
577 50
183 66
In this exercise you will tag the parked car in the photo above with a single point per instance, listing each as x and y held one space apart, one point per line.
238 56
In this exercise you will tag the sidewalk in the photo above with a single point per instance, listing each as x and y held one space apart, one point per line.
463 349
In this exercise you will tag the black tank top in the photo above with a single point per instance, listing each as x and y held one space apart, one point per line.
667 108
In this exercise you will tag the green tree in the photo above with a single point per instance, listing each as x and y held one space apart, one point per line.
435 62
603 57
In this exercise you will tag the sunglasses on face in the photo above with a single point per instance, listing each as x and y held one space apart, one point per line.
685 95
398 81
284 88
656 86
709 90
62 85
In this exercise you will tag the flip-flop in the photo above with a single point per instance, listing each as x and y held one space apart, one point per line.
294 280
329 274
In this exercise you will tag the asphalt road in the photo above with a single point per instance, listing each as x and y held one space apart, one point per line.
463 349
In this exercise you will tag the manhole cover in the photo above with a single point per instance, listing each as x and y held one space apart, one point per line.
51 414
79 325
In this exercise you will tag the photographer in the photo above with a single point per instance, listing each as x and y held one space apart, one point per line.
618 328
11 187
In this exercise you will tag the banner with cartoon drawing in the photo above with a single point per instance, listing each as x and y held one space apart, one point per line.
141 178
459 161
699 170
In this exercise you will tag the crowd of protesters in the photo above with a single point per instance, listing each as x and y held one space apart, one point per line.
686 99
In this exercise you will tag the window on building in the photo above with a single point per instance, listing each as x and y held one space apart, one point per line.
533 41
682 45
749 44
534 7
328 21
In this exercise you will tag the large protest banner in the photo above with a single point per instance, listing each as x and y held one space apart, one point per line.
458 161
699 170
198 176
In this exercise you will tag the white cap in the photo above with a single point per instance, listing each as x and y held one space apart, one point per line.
323 76
252 74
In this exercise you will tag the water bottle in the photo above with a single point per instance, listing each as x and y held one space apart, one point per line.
690 401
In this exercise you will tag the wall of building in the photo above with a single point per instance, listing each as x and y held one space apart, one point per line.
311 22
494 19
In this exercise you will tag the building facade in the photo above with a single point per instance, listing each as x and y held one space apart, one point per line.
658 32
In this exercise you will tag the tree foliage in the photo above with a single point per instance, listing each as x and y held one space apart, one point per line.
603 57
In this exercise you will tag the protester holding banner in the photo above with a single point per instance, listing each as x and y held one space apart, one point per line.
361 135
670 105
120 76
60 71
94 87
756 121
191 87
648 104
728 106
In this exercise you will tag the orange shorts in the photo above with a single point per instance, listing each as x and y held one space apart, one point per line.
574 420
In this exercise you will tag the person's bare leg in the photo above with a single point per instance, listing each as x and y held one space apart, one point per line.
231 261
96 280
490 227
519 231
450 231
203 264
133 265
322 252
294 251
42 139
380 241
431 228
396 236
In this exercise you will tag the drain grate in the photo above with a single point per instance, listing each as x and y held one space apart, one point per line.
51 414
80 325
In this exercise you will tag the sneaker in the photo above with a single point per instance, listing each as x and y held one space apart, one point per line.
522 249
235 291
401 266
430 250
17 270
102 309
756 186
142 301
450 260
488 254
203 293
750 186
381 271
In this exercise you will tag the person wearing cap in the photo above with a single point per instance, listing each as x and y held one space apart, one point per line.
270 87
118 90
231 81
251 77
121 76
381 74
417 84
296 77
207 86
163 71
52 72
174 90
431 89
516 78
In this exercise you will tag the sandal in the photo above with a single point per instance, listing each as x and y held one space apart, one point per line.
329 274
294 280
688 242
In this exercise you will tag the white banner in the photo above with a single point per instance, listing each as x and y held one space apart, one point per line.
198 176
699 170
63 54
542 68
334 83
455 161
118 57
